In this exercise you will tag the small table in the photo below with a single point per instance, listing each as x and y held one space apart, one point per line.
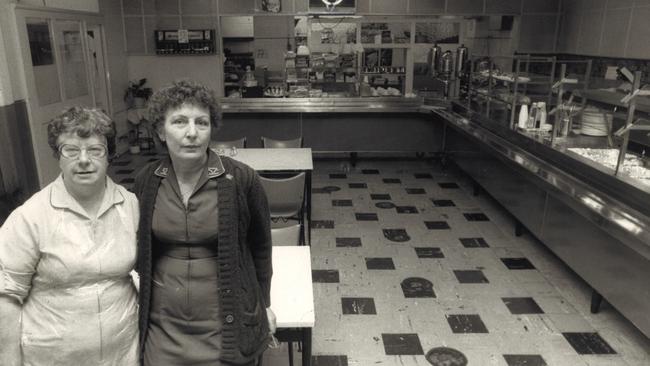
292 296
285 159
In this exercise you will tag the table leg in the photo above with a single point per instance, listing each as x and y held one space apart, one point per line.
308 197
306 346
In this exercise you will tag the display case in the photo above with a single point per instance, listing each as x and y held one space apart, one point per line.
625 121
592 126
501 87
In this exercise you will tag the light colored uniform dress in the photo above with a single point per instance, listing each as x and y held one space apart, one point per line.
71 274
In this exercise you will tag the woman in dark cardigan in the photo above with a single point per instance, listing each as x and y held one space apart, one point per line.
204 243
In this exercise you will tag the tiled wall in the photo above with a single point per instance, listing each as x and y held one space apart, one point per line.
614 28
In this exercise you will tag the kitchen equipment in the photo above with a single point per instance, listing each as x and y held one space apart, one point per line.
461 59
446 64
434 59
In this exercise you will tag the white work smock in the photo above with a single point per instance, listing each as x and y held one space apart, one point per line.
71 274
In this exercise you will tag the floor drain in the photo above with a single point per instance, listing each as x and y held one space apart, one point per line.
443 356
330 189
385 204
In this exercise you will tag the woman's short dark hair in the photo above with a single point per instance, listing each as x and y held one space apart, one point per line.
84 122
183 92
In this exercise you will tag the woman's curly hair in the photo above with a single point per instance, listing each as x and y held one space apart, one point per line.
182 92
84 122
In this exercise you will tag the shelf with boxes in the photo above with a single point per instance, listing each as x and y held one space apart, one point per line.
185 42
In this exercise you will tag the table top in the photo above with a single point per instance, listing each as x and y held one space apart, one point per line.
276 159
292 294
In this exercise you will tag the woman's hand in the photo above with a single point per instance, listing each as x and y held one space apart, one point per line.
272 321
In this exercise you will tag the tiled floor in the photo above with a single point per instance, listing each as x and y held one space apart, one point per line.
409 268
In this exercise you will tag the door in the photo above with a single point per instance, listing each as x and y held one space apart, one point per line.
99 78
60 72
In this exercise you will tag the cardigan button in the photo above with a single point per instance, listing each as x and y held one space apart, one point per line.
230 318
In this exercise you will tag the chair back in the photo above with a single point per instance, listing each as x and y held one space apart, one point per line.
285 196
280 144
286 235
223 145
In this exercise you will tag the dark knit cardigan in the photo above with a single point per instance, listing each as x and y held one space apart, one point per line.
244 258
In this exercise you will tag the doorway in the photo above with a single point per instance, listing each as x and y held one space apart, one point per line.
64 63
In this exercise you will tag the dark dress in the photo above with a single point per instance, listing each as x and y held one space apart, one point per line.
184 326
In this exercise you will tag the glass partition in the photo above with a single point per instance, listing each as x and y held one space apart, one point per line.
43 61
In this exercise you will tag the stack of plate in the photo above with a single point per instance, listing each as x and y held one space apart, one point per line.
595 122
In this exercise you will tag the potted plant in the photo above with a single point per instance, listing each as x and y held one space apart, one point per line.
136 94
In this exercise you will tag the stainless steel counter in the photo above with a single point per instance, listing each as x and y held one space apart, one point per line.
597 223
319 105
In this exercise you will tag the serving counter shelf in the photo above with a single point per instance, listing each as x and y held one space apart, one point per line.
321 105
598 223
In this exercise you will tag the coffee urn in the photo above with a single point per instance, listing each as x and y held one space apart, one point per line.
446 64
461 60
434 59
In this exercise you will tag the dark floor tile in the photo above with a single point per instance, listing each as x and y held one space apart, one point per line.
153 159
417 287
370 171
358 185
406 209
522 305
326 189
127 180
348 242
380 196
448 185
474 242
443 203
517 263
589 343
322 224
525 360
477 216
329 360
437 225
429 252
402 344
380 263
391 180
397 235
342 203
470 276
466 323
358 305
445 356
325 276
338 176
366 216
124 171
423 176
415 191
121 163
385 205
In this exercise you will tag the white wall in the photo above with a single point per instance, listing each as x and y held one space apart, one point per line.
80 5
615 28
162 70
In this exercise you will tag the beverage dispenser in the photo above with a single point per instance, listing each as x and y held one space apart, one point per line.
434 60
461 60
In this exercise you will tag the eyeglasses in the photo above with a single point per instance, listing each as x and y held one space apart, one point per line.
96 151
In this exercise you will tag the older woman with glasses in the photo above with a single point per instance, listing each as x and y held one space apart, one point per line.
204 243
66 294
